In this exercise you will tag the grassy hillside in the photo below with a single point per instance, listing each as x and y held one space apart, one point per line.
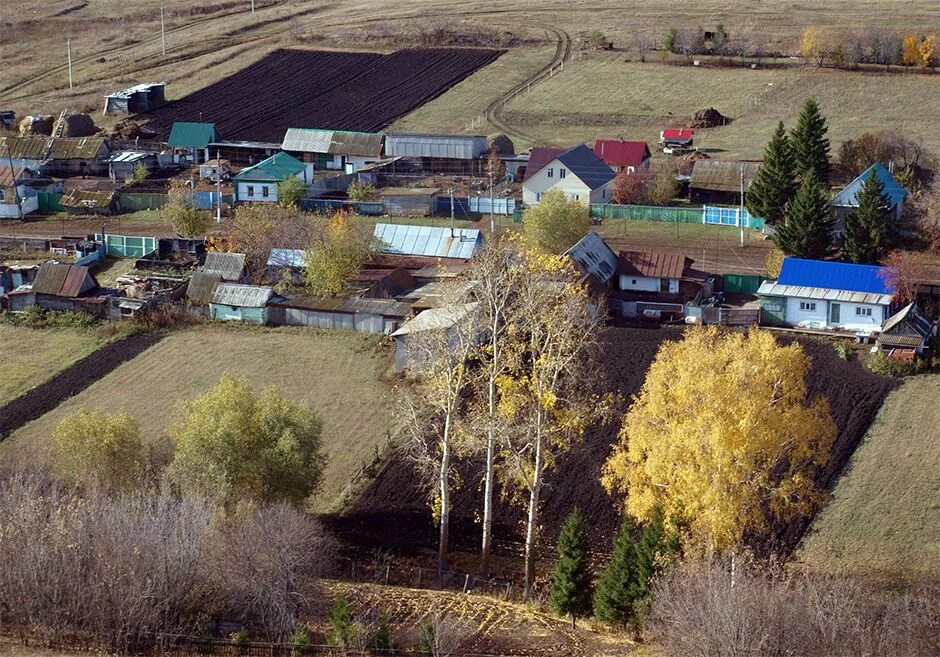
30 356
884 516
339 374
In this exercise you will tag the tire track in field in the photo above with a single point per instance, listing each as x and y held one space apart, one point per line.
72 380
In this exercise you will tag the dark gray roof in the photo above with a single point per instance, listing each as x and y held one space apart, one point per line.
585 164
201 287
227 265
244 296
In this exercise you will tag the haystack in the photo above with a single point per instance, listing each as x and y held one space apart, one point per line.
36 125
708 118
501 143
78 125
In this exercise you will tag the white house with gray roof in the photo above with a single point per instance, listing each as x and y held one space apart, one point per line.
578 172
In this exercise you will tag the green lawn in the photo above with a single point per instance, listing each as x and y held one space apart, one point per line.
884 515
30 356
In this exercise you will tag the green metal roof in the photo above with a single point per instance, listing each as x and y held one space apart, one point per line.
277 167
191 135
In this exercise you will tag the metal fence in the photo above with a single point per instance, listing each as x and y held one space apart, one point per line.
127 246
647 213
210 200
475 204
141 201
731 217
366 208
95 256
741 283
49 202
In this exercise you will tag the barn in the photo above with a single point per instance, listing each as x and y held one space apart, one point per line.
136 100
409 201
444 154
721 181
382 316
334 150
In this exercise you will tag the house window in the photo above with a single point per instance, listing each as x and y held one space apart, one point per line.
633 281
264 191
251 191
577 197
562 172
664 285
538 197
863 312
808 305
551 172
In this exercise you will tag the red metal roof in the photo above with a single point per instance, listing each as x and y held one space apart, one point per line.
539 157
653 264
678 133
617 153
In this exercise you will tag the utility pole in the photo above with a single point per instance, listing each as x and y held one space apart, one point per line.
492 208
162 31
68 48
252 7
741 209
218 187
16 193
452 210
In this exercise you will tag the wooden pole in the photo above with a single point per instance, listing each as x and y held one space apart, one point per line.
68 48
162 31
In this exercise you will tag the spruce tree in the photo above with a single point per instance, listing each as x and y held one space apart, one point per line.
571 577
775 182
807 232
810 142
867 226
619 586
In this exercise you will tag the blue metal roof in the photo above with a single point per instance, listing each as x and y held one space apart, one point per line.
835 276
587 166
430 241
848 197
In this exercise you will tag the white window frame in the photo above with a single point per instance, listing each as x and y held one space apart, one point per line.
862 312
551 172
250 190
538 196
562 173
265 192
809 306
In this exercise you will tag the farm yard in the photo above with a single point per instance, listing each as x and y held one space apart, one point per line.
341 375
392 500
350 91
884 515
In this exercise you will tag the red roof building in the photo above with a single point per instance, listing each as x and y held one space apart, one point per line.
539 157
619 155
677 134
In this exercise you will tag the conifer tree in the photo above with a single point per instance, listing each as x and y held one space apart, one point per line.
571 577
810 142
656 542
807 232
619 586
866 227
775 183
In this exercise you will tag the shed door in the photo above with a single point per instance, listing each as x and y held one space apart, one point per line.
834 312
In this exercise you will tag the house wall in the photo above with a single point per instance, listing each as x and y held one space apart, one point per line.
226 313
361 322
821 315
256 193
541 182
646 284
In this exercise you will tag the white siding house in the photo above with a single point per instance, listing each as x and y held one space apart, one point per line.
577 172
258 183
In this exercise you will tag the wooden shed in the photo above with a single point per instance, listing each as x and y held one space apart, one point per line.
240 303
382 316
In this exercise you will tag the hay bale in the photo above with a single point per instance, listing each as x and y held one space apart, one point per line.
501 143
36 125
78 125
708 118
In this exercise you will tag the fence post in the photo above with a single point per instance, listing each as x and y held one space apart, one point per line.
466 582
419 577
388 569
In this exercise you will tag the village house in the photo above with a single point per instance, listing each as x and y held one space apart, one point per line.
191 140
61 157
63 287
906 334
240 303
258 183
578 172
654 284
721 181
595 259
818 294
22 182
334 150
676 140
847 200
619 155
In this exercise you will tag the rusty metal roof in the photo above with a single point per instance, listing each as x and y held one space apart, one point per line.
76 282
51 278
652 264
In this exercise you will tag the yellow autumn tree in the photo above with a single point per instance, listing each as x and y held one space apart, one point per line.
813 45
556 223
723 437
336 255
910 50
927 49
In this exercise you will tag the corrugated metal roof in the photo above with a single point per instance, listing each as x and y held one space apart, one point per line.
848 197
333 142
244 296
77 198
185 134
277 167
307 140
287 258
429 241
593 254
539 157
835 276
50 278
653 264
677 134
130 156
723 175
201 287
773 289
227 265
581 162
618 153
436 318
140 88
384 307
76 282
462 147
908 321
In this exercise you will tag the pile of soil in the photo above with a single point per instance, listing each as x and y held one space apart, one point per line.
128 130
78 125
501 143
393 514
37 125
708 118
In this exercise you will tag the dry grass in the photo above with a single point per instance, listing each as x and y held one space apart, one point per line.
340 374
601 95
30 356
884 516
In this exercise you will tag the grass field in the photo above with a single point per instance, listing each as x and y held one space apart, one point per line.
884 516
601 95
30 356
339 374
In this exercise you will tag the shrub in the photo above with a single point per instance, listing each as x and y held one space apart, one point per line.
844 349
360 191
881 363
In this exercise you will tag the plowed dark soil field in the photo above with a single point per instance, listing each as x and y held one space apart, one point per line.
319 89
392 513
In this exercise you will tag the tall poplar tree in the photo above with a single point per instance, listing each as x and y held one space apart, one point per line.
808 230
810 142
571 577
775 183
867 226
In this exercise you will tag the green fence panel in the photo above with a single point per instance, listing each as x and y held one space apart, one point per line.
49 202
647 213
742 283
136 202
128 246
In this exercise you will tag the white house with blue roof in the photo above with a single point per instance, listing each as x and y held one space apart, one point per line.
847 200
819 294
578 172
